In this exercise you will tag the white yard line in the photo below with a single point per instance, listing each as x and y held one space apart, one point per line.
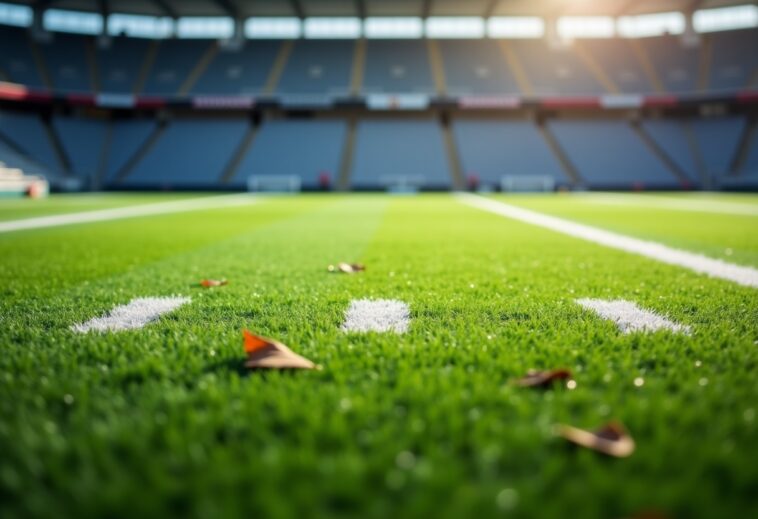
379 315
696 205
746 276
138 313
177 206
631 318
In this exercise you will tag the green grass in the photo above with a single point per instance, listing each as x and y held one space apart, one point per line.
162 421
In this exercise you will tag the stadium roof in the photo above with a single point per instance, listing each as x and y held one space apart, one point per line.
365 8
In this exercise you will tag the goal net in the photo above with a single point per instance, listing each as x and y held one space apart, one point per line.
274 183
526 183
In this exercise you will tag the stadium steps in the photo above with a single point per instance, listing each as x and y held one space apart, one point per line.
230 171
661 154
99 179
704 65
141 153
348 154
199 69
278 69
92 65
359 65
743 149
453 157
568 167
647 65
437 67
58 148
147 65
592 65
39 62
516 68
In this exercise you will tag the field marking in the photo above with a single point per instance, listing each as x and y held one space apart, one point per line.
377 315
134 315
746 276
631 318
677 204
101 215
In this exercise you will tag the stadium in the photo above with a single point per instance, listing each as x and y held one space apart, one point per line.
378 258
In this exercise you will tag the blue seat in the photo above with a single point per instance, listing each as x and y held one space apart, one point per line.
83 142
240 71
676 65
173 64
66 58
318 67
670 136
734 60
28 133
397 66
476 67
16 58
120 63
616 58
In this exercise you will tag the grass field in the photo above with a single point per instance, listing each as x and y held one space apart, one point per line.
164 421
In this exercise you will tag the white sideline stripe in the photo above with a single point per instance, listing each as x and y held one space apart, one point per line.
631 318
378 315
746 276
690 205
177 206
136 314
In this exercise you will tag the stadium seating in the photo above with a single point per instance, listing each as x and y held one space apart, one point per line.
491 148
28 133
555 70
16 60
388 149
476 67
239 71
173 63
127 137
675 64
83 141
302 148
120 62
397 66
616 59
12 158
717 141
609 155
191 153
671 137
66 59
733 60
320 67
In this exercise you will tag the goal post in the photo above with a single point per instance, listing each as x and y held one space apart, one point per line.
274 184
527 183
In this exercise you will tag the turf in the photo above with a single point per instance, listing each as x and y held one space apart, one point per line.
163 421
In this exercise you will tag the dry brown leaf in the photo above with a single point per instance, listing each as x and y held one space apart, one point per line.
208 283
263 353
547 378
346 268
612 439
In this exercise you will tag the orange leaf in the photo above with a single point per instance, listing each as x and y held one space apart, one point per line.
264 353
543 378
611 439
207 283
346 268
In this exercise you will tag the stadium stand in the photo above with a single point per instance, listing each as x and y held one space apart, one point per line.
671 136
317 150
66 58
28 133
490 149
127 137
476 67
717 140
675 63
390 151
397 67
83 141
318 68
119 63
13 158
732 65
191 153
617 60
174 61
609 155
16 58
239 71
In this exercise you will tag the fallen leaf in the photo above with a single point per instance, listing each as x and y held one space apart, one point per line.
208 283
612 439
263 353
547 378
346 268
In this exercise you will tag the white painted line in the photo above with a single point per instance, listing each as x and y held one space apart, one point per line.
631 318
696 205
138 313
177 206
378 315
746 276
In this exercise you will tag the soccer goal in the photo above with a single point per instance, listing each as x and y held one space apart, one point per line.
274 184
526 183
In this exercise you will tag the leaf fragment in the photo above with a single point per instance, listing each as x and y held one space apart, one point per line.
264 353
534 378
612 439
208 283
346 268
